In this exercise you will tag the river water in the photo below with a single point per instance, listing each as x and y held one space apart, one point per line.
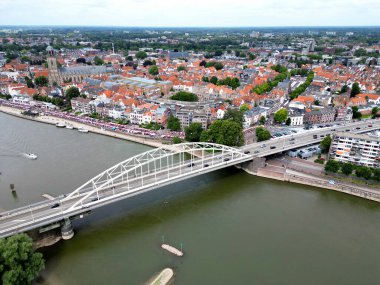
234 228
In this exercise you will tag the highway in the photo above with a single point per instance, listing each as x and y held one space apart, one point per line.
284 143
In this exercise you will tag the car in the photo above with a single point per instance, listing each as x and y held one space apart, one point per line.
264 145
370 126
322 136
55 205
272 147
226 159
331 182
292 139
315 136
358 128
247 152
256 151
191 164
292 143
206 165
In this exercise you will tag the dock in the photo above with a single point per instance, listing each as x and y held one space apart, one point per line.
48 196
172 249
164 277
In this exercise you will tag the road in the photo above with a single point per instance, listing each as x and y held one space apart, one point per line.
288 142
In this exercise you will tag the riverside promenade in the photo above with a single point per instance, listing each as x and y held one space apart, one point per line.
53 120
295 176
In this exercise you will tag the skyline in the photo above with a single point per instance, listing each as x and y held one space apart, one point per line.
169 13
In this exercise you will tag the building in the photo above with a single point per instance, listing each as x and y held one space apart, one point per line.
253 116
296 117
187 116
322 116
359 149
73 73
343 114
82 105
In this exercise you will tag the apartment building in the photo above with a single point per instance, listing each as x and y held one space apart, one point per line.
359 149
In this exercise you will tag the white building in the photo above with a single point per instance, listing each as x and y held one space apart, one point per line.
359 149
115 113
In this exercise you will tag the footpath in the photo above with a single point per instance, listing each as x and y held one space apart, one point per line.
312 176
53 120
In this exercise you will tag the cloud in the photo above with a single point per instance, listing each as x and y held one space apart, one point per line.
190 12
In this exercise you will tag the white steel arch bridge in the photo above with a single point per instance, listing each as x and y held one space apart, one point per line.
141 173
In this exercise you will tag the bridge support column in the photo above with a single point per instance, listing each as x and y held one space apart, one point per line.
67 230
253 166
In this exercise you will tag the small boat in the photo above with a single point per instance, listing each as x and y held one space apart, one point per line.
30 155
60 125
70 127
82 130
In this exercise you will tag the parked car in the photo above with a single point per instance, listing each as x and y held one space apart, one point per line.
191 164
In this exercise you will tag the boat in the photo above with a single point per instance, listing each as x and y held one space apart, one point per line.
60 125
82 130
70 127
30 155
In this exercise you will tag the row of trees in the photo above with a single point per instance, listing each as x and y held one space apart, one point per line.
55 101
300 89
218 65
367 173
228 81
185 96
270 84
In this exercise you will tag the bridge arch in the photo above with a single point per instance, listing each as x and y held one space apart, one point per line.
155 168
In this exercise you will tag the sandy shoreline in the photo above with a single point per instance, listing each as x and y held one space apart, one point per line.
53 120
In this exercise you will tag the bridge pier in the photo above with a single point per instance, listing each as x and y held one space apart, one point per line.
67 230
253 166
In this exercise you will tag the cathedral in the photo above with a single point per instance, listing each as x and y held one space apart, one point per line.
73 73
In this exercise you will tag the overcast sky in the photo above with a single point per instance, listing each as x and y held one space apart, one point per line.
191 13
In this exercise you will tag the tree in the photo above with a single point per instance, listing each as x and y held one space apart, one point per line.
262 134
224 132
153 70
325 144
147 63
376 174
281 115
29 82
364 172
41 81
141 55
234 115
72 92
288 121
185 96
176 140
347 168
19 263
181 68
98 60
173 124
214 80
344 89
193 132
355 89
244 108
374 111
355 113
332 166
317 103
262 120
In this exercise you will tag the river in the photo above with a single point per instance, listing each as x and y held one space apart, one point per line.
235 228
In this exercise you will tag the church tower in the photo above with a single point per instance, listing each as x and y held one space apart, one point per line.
54 73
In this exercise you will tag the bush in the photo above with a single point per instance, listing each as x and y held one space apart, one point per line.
262 134
332 166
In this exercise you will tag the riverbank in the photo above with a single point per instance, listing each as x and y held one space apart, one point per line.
293 176
53 120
